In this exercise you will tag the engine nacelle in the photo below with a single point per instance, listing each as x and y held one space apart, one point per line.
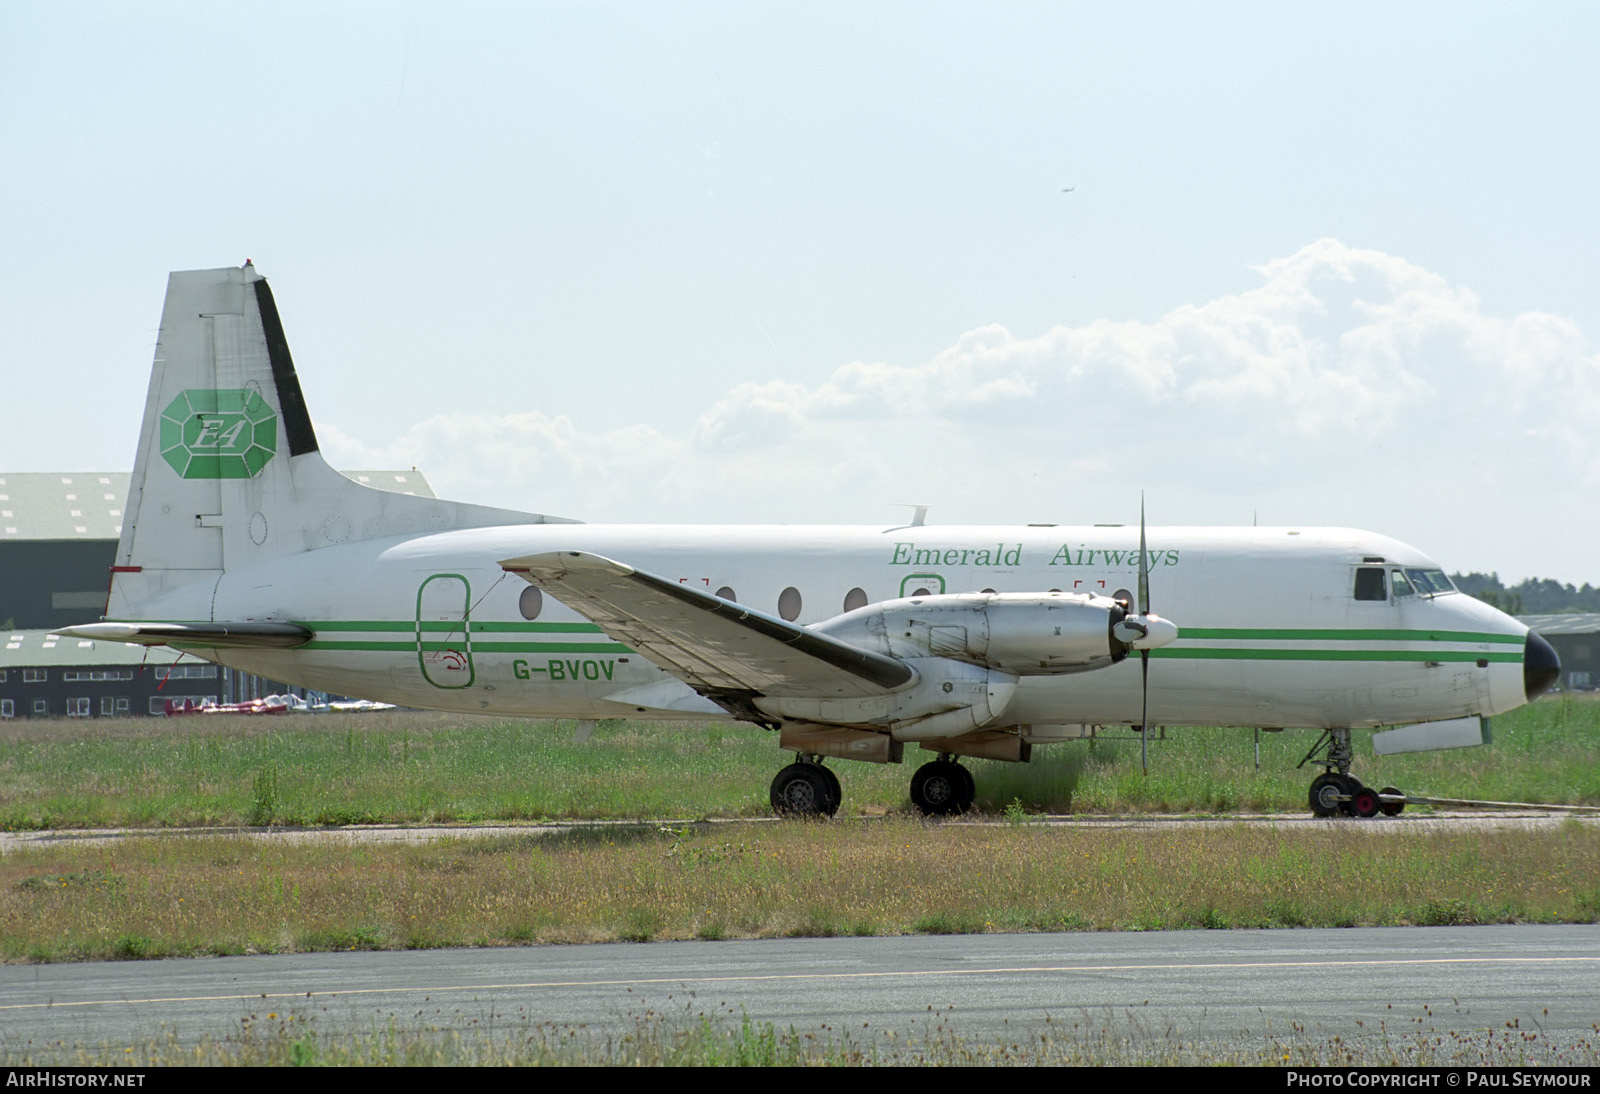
946 698
967 651
1026 634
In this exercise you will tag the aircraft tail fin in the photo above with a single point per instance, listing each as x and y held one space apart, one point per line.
228 472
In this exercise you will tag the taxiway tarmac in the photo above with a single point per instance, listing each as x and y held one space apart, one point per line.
1529 819
1222 988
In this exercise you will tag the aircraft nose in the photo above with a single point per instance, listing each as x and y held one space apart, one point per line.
1540 666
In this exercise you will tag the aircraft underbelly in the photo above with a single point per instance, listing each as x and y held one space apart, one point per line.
1254 693
557 687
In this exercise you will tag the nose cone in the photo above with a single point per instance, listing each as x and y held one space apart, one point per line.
1540 666
1146 632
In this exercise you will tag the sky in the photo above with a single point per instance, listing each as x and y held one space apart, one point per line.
1309 264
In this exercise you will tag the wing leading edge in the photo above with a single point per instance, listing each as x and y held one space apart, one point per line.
725 651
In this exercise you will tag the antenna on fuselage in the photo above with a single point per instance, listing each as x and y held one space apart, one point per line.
919 514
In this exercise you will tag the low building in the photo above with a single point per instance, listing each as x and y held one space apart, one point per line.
58 540
1575 636
43 675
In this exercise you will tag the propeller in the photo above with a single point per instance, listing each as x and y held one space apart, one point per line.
1144 632
1144 651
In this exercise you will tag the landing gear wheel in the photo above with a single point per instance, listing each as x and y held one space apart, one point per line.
942 788
970 794
835 791
805 790
1392 809
1364 803
1326 792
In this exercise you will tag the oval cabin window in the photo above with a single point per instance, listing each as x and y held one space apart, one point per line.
531 602
789 604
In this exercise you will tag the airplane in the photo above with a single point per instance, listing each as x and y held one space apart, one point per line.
242 546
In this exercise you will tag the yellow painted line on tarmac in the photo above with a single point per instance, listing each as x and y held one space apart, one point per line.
1409 962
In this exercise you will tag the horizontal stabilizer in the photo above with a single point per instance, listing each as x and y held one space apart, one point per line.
715 646
256 636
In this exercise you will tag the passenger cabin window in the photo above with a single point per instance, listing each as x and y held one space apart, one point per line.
530 603
789 604
1402 587
1369 583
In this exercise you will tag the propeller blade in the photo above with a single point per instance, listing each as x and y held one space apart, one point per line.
1144 654
1144 565
1144 712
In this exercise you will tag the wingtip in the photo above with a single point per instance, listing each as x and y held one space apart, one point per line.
550 565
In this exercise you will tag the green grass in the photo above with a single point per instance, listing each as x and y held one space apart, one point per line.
164 897
429 768
878 869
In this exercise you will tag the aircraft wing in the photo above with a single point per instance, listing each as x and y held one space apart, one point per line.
723 650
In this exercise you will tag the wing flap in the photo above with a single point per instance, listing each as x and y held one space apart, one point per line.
715 646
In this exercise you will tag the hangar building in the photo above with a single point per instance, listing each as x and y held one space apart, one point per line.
1576 639
58 540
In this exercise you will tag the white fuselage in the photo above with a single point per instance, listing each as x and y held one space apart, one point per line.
1270 633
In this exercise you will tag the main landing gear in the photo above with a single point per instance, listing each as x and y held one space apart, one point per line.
1336 792
806 789
941 788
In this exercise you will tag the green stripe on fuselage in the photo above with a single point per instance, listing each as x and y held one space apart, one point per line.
445 625
1243 634
443 633
1214 653
478 632
478 647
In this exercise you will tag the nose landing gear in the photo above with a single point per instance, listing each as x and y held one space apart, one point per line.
1336 792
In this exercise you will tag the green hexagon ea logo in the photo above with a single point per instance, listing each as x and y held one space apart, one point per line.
228 433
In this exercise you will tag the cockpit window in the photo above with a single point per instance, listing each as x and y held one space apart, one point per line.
1402 587
1369 583
1431 582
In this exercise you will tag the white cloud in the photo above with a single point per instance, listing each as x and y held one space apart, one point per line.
1351 381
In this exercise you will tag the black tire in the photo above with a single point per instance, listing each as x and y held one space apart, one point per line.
942 789
804 790
1364 803
835 791
1326 790
1392 809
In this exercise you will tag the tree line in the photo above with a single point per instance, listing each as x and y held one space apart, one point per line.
1535 596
